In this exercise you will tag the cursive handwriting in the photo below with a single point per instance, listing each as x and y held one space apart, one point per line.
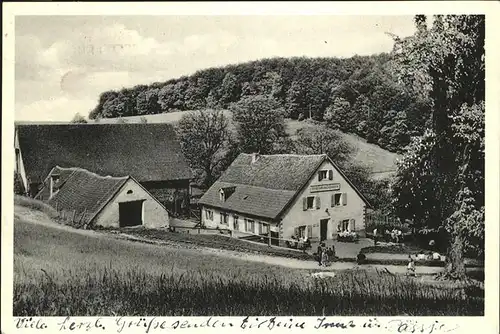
160 324
69 325
413 326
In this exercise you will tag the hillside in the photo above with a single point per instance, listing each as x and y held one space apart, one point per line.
381 162
357 95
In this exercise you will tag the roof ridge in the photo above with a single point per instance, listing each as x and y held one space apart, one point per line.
288 155
230 184
93 174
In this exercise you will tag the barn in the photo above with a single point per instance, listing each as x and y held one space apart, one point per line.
285 195
150 153
95 200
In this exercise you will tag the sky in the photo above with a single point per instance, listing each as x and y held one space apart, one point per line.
63 63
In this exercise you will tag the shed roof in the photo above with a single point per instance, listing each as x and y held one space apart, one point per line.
83 191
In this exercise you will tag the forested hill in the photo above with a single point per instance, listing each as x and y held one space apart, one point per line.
357 95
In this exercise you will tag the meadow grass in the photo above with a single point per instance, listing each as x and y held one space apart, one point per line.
60 272
35 205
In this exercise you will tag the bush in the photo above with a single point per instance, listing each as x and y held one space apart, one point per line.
18 184
35 205
347 236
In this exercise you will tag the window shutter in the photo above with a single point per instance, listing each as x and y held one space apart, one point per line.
304 203
330 174
319 176
344 199
309 231
333 201
318 202
296 231
352 224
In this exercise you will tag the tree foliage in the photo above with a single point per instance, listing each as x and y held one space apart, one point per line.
440 181
78 119
260 124
353 93
206 142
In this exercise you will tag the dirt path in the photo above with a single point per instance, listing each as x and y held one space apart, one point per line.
37 217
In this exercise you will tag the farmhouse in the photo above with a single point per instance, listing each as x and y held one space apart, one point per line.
284 196
91 199
150 153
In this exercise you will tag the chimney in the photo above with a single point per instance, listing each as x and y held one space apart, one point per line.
54 179
255 157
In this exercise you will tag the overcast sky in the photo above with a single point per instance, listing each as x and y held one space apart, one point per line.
63 63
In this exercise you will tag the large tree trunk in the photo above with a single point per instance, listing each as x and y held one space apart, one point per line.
455 267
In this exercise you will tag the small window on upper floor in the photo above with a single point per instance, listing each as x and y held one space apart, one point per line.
322 174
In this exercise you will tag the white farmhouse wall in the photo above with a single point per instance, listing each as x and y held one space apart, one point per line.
154 214
19 163
296 216
216 221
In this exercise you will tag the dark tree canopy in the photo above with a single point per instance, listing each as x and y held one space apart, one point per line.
440 181
353 94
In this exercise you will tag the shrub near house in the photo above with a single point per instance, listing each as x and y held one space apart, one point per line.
284 195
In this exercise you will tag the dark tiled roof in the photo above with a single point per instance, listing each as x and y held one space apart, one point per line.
82 191
280 171
250 200
147 152
265 187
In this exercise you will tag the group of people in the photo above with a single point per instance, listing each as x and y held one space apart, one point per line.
299 242
325 255
396 235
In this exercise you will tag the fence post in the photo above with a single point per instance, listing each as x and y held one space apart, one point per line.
74 214
269 235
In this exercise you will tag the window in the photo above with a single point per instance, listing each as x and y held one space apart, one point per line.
325 175
224 218
344 225
337 199
249 225
209 214
264 228
235 222
310 202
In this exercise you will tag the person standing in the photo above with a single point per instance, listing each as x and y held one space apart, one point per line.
411 267
324 258
319 253
375 236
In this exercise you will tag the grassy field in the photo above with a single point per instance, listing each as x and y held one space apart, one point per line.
86 273
381 161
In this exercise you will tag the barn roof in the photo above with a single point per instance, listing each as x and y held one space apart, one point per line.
147 152
81 191
265 187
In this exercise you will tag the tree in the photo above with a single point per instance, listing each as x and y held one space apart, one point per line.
294 102
338 113
440 180
78 119
260 123
229 90
205 141
323 140
147 102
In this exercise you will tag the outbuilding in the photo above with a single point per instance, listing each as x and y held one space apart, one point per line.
95 200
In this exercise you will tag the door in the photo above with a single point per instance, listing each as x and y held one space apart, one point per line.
323 229
130 213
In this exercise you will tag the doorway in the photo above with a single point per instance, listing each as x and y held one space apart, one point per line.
130 213
323 229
